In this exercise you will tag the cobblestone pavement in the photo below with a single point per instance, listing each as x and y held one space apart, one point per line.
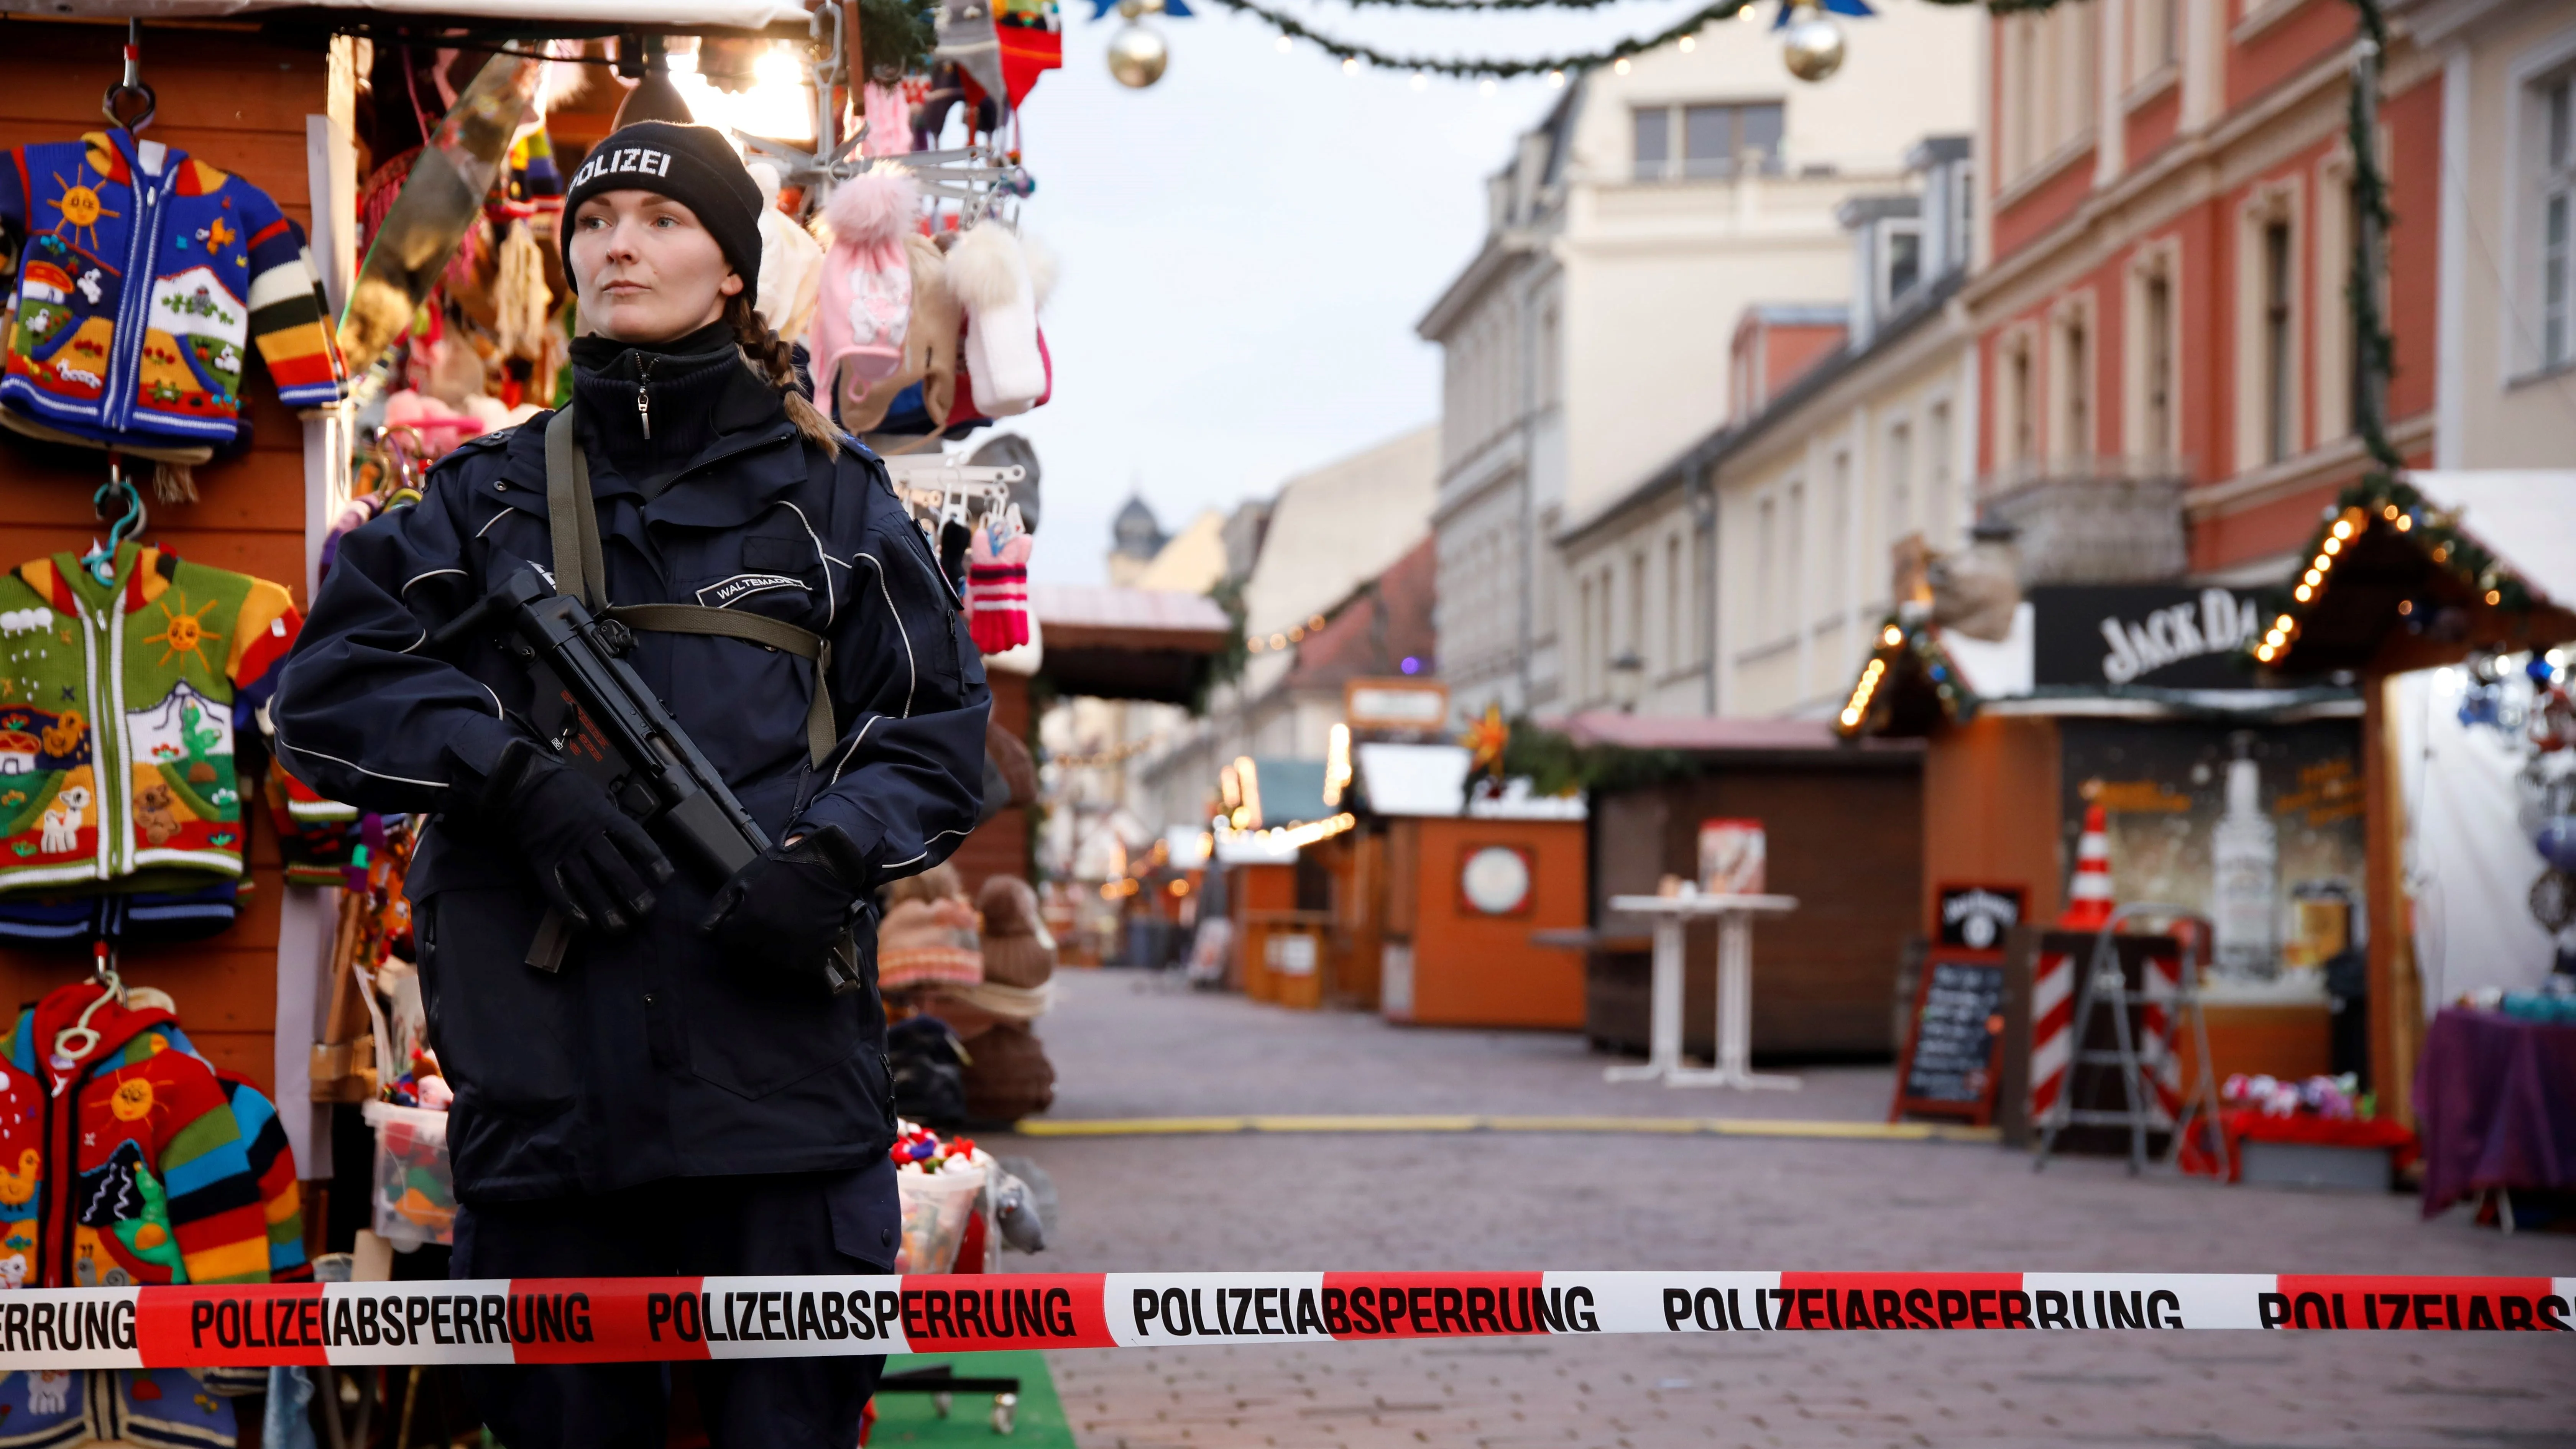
1124 1047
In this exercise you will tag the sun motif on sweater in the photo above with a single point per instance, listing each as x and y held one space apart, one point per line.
80 207
183 631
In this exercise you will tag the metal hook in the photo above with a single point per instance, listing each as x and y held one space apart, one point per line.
122 525
131 87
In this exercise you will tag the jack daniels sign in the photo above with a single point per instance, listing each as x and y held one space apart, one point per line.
2174 636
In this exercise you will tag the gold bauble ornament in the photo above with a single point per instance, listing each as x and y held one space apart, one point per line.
1137 56
1812 45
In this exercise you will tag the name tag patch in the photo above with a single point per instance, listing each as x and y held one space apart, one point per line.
723 592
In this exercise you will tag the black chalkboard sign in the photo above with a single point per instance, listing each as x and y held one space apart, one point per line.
1948 1066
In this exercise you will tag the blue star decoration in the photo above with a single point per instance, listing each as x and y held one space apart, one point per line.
1856 8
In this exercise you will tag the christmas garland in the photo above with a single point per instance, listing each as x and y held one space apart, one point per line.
1353 51
2381 499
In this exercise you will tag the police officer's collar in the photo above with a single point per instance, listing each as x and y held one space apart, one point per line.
594 353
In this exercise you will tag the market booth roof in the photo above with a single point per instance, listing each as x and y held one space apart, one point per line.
1145 644
2439 563
603 16
1707 735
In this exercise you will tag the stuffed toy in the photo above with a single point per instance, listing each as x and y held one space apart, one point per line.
929 344
866 308
1001 280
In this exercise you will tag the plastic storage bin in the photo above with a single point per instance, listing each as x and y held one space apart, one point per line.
415 1190
936 1209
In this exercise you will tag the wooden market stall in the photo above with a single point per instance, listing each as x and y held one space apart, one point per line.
2130 700
2404 577
1468 895
1840 822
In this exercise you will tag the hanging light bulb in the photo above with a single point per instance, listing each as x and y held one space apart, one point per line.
1812 44
1138 53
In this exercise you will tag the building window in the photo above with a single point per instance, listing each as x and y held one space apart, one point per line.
2020 426
1766 569
1654 142
1673 597
1586 667
1900 481
2155 37
1674 142
2157 322
1937 513
1547 356
1794 563
2074 385
1838 543
2557 225
2051 83
2279 383
1638 643
1901 263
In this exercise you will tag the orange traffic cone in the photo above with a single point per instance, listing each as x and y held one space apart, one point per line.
2088 899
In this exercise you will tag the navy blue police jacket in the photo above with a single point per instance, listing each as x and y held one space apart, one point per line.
648 1055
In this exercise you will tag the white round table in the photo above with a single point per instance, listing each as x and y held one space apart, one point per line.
1734 915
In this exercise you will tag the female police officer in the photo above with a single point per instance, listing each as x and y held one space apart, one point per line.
685 1095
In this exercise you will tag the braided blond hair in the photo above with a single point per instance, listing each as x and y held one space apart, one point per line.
770 356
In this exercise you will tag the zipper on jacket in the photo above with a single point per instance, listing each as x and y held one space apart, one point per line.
111 620
644 393
134 305
94 648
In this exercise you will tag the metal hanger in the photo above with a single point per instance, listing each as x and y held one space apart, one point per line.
940 492
122 525
132 87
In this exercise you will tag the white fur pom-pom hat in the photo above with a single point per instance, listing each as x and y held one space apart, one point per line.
1002 279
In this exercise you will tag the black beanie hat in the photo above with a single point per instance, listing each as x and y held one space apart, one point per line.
693 166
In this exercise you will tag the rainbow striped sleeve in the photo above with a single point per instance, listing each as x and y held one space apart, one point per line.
216 1213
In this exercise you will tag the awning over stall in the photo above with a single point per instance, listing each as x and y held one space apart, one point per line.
2443 561
1155 645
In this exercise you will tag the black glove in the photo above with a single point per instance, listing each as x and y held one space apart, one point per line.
594 862
785 909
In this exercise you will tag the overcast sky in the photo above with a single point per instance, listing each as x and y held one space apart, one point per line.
1246 246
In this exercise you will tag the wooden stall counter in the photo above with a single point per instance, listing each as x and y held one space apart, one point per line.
2288 1040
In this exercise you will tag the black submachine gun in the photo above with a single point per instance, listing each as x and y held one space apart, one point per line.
597 715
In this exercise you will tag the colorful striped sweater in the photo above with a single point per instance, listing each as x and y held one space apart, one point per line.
122 1159
145 276
126 1158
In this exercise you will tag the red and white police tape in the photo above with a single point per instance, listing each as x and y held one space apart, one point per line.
606 1320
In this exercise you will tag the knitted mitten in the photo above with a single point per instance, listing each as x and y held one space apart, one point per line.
997 589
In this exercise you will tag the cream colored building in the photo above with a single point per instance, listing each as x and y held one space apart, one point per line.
1328 532
2505 384
1746 578
1586 345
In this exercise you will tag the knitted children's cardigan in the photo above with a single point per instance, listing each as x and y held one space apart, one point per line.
118 709
144 277
126 1159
